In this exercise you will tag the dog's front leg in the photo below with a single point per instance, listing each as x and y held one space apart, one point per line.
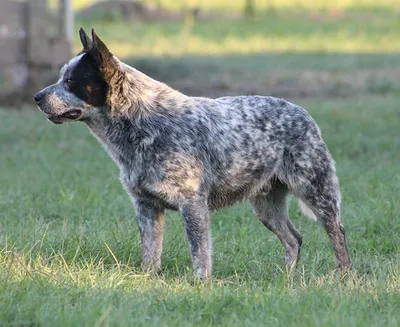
196 218
151 227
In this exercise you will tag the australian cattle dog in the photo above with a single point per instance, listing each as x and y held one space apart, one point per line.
195 155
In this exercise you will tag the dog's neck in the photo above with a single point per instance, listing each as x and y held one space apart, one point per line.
133 98
112 133
133 94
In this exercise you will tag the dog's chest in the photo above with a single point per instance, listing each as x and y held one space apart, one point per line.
141 186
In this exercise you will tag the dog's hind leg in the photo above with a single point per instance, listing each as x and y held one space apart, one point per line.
324 201
317 186
151 227
272 210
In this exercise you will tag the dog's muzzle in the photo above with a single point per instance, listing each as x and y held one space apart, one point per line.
66 115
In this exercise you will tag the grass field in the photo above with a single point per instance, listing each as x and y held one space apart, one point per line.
70 248
69 245
293 29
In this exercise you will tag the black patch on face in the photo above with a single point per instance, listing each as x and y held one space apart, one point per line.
86 81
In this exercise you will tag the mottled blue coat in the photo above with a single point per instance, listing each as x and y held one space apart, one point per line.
198 154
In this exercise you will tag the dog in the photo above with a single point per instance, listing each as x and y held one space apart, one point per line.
196 155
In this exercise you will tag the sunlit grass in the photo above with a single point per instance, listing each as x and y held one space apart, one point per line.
290 31
70 253
300 26
256 44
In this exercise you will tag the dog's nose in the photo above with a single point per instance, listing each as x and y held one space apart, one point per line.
38 97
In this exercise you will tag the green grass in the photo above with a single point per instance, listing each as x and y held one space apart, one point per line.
348 26
69 245
70 250
316 75
285 30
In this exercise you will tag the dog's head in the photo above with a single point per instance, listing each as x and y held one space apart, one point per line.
82 88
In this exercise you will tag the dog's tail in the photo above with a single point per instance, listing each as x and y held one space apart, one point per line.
307 211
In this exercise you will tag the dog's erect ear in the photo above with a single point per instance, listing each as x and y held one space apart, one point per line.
85 40
100 47
102 55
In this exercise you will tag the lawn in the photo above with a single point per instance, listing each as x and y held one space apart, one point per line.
291 29
69 245
70 248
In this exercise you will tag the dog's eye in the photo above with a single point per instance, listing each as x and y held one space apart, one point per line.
68 81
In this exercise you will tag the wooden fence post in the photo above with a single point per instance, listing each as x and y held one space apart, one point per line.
38 46
31 49
37 34
66 20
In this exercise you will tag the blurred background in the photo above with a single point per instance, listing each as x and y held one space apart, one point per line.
288 48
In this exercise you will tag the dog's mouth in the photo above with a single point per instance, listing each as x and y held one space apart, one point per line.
68 116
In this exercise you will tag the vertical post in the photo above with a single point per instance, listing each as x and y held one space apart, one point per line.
66 20
37 31
38 49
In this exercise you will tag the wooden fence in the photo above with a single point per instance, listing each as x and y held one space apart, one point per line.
33 46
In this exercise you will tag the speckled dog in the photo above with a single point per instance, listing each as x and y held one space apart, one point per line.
198 154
